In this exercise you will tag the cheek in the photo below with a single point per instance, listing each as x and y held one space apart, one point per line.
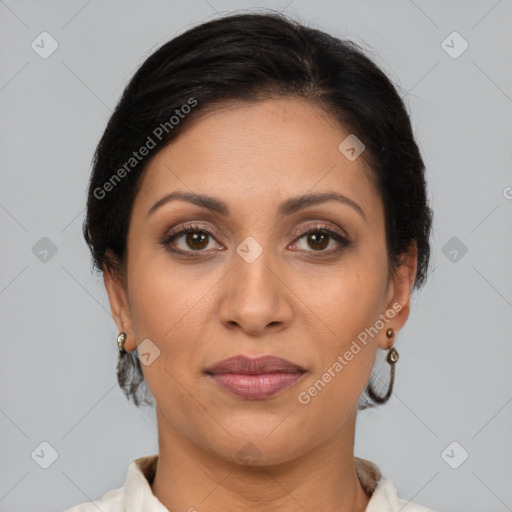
346 299
346 354
155 301
348 305
169 307
164 310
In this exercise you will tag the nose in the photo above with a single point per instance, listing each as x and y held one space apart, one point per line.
256 296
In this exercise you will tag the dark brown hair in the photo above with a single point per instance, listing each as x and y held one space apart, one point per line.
252 57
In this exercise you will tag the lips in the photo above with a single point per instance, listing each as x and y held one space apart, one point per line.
255 366
255 379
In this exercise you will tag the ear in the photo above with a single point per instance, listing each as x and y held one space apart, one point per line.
115 284
399 294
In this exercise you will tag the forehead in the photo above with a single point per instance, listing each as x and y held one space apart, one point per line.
258 152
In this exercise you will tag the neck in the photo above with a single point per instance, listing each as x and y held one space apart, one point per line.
188 477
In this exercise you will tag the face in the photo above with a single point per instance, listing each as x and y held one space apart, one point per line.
259 273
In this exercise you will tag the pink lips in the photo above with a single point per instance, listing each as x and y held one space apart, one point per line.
255 379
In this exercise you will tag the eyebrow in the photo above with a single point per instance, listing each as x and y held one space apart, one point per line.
287 207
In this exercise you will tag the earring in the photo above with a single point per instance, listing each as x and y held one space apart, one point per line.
121 337
391 358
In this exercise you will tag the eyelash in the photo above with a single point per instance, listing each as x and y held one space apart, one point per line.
197 228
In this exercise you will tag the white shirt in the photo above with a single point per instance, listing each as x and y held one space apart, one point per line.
136 494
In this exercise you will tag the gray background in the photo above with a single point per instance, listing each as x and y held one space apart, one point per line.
57 366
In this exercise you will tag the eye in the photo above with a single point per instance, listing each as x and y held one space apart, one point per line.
192 238
319 237
196 238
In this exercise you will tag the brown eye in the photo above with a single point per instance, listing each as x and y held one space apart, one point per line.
188 240
196 240
318 241
192 240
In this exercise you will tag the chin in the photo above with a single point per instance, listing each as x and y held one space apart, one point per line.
260 449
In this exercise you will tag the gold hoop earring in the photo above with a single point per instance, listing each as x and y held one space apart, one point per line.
391 358
121 338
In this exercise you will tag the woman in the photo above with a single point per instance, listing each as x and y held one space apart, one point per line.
258 210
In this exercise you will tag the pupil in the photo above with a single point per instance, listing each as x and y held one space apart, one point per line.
196 238
315 241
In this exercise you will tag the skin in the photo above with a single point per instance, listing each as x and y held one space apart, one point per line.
199 311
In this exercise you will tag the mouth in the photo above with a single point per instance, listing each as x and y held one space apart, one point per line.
255 378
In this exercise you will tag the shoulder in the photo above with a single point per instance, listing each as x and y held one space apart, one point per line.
384 495
387 492
409 506
133 496
110 502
